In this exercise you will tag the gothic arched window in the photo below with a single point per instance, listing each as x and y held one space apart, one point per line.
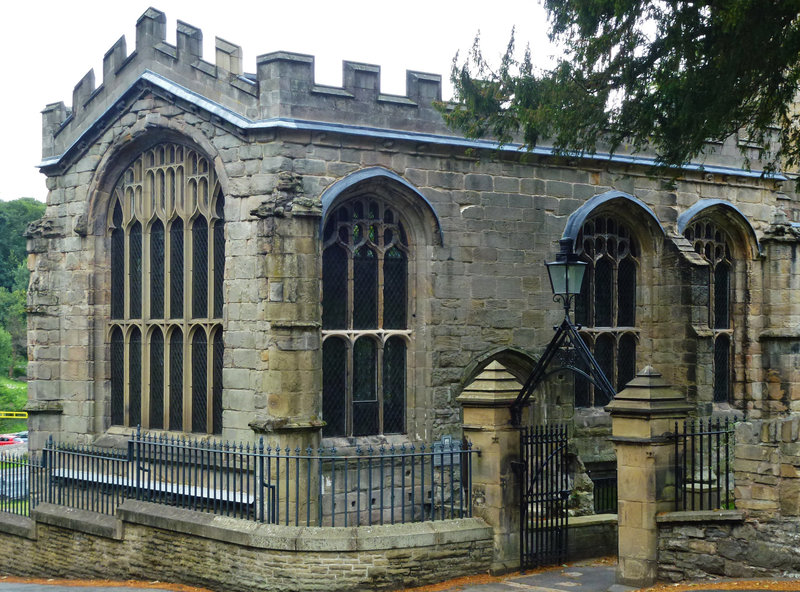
167 268
606 306
365 279
713 245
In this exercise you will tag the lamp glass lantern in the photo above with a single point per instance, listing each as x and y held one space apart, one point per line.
566 273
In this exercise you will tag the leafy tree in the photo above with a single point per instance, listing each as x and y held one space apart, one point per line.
663 75
14 218
6 351
13 321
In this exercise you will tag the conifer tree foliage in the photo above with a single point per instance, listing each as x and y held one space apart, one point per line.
663 75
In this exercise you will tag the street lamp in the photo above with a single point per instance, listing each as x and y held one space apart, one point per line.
566 274
566 278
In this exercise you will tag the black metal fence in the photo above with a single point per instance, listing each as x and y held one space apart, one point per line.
703 457
251 481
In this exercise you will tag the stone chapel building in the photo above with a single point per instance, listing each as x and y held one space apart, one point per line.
233 254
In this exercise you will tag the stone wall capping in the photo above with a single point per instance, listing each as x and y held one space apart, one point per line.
20 526
101 525
701 516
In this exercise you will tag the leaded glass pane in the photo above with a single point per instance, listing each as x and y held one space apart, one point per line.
394 385
604 293
199 382
199 268
626 293
176 381
722 369
117 377
157 270
583 391
117 266
604 354
334 386
216 412
583 300
135 286
176 269
156 380
219 267
722 296
395 301
365 396
334 288
365 289
626 361
135 378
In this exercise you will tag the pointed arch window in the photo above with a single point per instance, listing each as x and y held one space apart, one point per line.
714 245
166 232
606 306
365 279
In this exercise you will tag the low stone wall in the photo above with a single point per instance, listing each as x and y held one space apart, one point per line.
696 545
592 536
150 541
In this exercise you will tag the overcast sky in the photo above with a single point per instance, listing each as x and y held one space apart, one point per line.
47 46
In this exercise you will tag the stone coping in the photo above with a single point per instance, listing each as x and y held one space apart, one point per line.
592 520
249 533
304 538
701 516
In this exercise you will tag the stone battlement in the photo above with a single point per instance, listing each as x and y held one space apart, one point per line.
283 86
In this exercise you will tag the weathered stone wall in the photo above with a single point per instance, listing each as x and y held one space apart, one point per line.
147 541
761 536
479 288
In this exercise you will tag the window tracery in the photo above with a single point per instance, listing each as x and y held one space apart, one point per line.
166 316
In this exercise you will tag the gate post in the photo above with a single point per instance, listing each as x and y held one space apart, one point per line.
495 491
643 416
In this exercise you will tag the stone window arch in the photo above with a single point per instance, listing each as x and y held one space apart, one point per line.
166 229
606 306
366 279
713 244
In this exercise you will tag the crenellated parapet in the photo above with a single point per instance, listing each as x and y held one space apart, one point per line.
282 87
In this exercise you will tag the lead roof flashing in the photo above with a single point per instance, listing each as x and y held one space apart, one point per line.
156 81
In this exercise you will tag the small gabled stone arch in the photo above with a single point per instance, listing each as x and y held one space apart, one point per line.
517 361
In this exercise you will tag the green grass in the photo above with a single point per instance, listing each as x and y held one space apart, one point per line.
13 396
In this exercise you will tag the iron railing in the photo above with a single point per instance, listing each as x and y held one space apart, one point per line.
605 494
703 458
20 477
252 481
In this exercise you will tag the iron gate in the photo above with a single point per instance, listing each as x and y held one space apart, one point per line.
544 493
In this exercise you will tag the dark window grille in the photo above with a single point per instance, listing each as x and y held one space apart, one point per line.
176 381
157 380
365 289
157 270
117 266
117 377
199 386
394 385
722 368
722 296
395 300
365 269
219 267
607 302
714 246
135 378
334 288
334 386
583 389
603 293
176 269
626 360
217 387
200 268
135 289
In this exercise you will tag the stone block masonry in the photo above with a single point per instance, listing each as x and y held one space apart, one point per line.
149 541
